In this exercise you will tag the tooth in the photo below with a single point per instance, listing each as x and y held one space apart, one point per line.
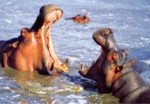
82 67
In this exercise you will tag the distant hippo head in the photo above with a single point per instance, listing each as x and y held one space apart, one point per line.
104 38
80 19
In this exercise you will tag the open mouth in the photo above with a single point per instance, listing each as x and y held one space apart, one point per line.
46 37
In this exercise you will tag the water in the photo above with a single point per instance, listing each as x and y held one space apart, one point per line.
129 19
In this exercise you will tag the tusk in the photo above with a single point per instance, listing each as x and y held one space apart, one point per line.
82 67
65 63
50 70
83 71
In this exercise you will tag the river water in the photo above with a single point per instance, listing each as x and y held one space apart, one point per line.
129 20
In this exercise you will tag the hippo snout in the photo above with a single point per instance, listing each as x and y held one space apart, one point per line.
97 38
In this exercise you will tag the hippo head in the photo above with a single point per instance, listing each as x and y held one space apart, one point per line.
114 67
104 38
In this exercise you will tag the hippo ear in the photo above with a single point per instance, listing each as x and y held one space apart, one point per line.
14 45
112 57
24 31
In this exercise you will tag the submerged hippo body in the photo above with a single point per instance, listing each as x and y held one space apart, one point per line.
104 38
130 88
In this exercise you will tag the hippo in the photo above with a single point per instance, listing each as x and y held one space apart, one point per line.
17 53
123 81
42 57
80 19
103 37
